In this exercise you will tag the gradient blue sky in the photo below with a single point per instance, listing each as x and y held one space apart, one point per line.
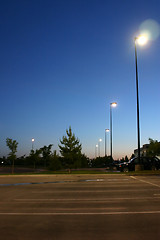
61 64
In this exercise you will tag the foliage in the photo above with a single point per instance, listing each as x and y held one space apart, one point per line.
46 153
35 157
55 163
154 148
70 150
12 144
126 159
101 162
84 161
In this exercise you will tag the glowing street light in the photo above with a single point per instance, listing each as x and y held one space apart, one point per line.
106 131
141 40
112 105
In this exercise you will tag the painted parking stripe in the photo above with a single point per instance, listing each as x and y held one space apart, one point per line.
84 200
84 213
93 191
153 184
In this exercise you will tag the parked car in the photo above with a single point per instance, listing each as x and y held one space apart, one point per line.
149 163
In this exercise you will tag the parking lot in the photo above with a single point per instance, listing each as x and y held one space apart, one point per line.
80 207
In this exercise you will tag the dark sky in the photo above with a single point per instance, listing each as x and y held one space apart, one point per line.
63 62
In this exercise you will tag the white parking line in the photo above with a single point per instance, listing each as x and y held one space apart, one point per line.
84 213
83 200
153 184
93 191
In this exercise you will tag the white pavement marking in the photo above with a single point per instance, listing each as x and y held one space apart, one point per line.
83 200
97 191
153 184
89 213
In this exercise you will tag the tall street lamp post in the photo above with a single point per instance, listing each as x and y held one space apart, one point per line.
113 104
141 40
100 140
32 143
106 130
96 150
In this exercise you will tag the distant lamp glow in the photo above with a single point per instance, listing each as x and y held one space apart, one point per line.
32 139
142 39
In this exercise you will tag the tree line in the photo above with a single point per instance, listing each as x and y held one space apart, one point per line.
70 149
71 155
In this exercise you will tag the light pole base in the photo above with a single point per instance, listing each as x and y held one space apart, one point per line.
139 167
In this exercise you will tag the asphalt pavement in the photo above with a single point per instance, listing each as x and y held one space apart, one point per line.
81 207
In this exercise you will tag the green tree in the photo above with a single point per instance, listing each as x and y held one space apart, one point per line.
70 149
154 148
126 159
55 163
12 144
35 156
101 162
46 153
84 161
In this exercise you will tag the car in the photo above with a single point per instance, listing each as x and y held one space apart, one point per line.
149 163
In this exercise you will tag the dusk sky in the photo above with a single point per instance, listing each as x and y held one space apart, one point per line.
62 62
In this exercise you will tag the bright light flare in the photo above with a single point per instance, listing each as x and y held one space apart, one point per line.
32 139
107 130
151 28
100 140
142 40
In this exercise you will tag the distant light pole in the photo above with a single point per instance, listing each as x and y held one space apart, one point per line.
141 40
113 104
32 143
106 130
96 150
99 143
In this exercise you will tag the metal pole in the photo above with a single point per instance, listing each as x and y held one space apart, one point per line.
99 148
96 151
111 130
105 144
138 125
32 144
106 130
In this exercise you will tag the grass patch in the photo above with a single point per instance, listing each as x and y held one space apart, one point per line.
144 172
80 171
